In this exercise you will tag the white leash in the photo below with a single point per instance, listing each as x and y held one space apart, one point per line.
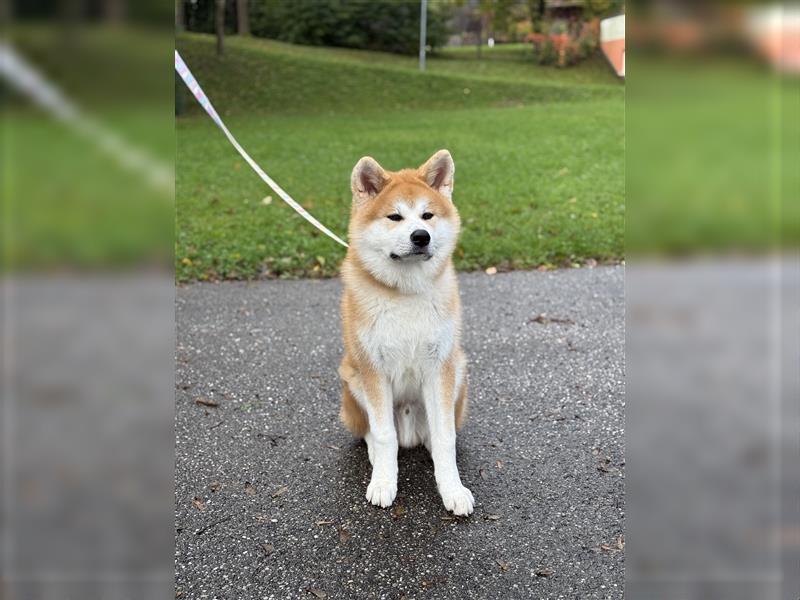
25 78
198 93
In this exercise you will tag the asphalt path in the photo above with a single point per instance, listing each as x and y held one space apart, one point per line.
270 487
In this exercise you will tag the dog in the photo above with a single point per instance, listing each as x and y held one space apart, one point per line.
404 375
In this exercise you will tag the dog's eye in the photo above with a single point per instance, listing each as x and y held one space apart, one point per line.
395 217
426 216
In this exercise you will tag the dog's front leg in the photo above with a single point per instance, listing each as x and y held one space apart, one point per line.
440 396
375 396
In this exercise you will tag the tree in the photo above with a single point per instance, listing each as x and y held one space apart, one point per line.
242 17
384 25
219 25
536 10
499 15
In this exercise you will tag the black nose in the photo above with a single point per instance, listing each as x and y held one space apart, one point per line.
420 237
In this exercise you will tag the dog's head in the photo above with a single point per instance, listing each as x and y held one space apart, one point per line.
404 225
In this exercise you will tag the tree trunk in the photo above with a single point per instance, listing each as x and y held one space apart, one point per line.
540 16
242 17
6 12
179 26
114 11
480 35
219 25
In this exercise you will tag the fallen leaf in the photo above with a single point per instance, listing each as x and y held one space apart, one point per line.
491 517
215 486
543 572
398 511
482 473
603 465
617 546
206 401
323 522
318 593
261 518
280 491
504 566
249 489
543 319
199 504
499 464
344 535
429 583
267 549
491 271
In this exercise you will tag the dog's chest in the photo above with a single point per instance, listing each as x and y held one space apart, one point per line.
408 334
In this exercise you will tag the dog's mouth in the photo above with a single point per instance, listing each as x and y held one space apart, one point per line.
416 256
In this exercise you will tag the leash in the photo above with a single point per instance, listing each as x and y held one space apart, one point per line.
198 93
22 76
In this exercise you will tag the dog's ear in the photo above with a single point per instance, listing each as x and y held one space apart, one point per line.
367 180
439 172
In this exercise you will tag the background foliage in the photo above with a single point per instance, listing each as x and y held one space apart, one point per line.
386 25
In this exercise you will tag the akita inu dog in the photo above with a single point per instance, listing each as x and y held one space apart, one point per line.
404 374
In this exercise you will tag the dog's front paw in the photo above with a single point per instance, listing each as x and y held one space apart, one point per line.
458 500
381 492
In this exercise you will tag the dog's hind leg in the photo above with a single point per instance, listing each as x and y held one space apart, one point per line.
352 415
461 390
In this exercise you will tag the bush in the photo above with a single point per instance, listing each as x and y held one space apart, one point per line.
562 47
385 25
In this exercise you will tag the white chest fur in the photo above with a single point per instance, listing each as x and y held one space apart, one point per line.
408 336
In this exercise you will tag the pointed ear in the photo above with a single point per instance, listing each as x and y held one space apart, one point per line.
367 180
439 172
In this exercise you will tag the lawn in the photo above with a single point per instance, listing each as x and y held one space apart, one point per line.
713 147
68 204
539 154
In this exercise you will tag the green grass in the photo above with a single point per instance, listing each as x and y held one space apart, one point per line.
70 205
716 171
539 154
67 203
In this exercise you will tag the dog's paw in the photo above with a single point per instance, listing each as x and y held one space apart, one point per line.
458 500
381 492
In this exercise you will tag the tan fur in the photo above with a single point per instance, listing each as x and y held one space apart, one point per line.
356 370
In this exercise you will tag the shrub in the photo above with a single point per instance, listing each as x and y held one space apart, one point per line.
386 25
562 47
